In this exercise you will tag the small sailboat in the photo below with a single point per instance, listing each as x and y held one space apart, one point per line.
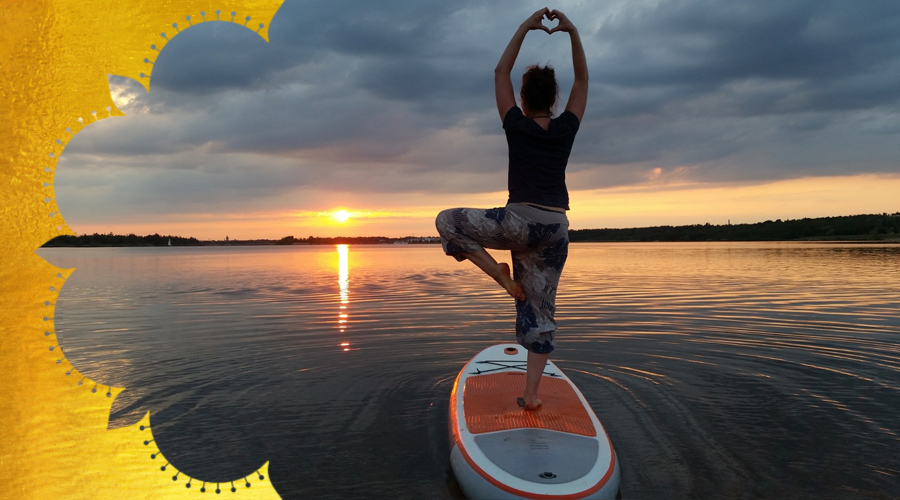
170 241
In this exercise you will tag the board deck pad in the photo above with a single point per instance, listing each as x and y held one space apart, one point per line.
490 405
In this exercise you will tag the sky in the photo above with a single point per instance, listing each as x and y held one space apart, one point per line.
699 111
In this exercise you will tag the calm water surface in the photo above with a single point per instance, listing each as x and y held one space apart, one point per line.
728 370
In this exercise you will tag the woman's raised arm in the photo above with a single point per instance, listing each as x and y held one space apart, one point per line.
503 88
578 95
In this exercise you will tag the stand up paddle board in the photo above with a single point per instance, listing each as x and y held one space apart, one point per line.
501 450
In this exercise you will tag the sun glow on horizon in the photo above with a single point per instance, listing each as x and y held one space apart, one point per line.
617 207
340 216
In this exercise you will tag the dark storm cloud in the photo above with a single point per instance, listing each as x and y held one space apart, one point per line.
379 29
843 55
215 56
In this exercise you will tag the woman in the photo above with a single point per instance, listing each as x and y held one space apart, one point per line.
533 224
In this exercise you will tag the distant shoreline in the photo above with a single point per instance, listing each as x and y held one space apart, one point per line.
884 228
156 240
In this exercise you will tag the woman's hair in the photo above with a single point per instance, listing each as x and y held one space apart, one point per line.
539 88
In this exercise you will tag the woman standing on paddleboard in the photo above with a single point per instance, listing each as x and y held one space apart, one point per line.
533 224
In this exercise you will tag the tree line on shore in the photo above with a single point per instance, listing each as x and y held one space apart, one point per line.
854 227
884 227
156 240
118 240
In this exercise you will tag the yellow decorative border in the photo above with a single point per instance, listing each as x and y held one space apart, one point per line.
55 56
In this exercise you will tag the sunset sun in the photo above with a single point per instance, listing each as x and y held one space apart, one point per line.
340 215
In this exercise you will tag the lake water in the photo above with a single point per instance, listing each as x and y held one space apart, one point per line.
725 370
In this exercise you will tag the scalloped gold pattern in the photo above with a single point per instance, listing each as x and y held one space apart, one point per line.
54 60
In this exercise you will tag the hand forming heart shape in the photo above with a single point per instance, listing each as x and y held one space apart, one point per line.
536 21
551 19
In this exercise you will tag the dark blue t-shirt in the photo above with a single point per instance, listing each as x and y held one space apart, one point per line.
538 158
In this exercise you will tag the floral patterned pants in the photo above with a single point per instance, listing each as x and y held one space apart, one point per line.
539 242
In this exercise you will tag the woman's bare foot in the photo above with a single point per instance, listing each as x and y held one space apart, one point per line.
497 270
511 286
532 402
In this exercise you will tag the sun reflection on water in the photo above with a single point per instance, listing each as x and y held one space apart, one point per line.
343 252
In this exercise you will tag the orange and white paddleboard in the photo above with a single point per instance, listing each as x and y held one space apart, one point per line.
500 450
